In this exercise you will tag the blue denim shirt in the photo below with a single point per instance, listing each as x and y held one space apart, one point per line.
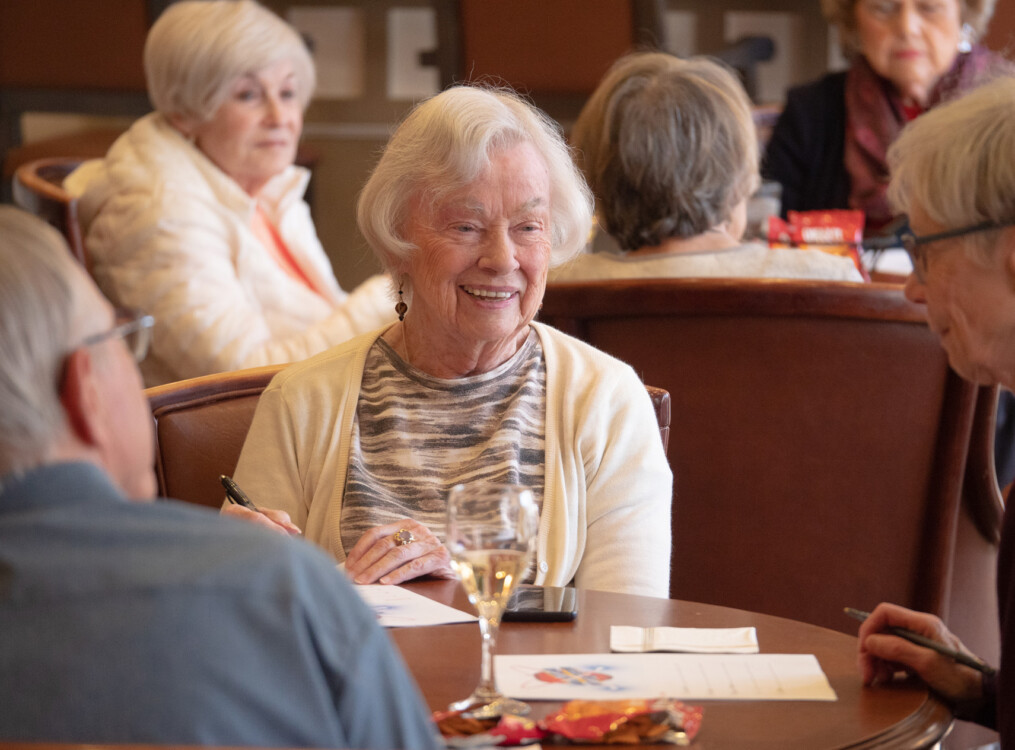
166 623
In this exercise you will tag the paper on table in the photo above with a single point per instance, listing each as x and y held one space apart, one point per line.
632 640
563 677
396 607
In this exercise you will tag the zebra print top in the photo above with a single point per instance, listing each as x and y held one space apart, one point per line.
416 436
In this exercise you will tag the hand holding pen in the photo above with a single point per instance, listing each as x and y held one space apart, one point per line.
276 520
893 638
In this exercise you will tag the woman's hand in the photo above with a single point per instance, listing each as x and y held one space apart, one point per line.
377 558
881 654
276 520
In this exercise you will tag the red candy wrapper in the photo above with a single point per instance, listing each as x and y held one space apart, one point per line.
836 232
461 732
580 722
625 722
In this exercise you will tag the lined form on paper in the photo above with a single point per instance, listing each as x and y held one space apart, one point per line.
687 676
396 607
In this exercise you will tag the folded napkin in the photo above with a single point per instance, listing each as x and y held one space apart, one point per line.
633 640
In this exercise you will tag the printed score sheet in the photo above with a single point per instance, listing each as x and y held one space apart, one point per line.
563 677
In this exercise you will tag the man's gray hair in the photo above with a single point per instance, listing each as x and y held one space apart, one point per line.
957 161
198 48
668 146
444 144
38 299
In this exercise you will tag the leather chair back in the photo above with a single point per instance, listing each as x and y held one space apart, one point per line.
200 426
820 443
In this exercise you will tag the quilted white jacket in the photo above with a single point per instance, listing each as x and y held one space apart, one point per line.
169 233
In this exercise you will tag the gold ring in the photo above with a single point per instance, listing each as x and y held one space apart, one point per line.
403 536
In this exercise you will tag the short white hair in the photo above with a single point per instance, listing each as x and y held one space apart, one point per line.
957 161
444 144
198 48
39 300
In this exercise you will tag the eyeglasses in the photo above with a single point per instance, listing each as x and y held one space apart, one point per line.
133 326
914 244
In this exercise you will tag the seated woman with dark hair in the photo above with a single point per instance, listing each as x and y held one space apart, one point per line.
668 147
906 57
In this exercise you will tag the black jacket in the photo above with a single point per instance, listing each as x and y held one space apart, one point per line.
805 153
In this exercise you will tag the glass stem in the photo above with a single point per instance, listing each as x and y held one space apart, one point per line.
487 681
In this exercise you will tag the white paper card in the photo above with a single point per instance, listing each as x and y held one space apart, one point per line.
563 677
629 639
396 607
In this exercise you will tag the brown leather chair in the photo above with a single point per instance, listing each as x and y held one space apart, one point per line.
38 188
820 445
200 426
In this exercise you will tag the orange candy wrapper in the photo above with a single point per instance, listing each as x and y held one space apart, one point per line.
581 722
836 232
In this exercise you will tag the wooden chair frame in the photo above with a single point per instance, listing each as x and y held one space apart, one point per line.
38 188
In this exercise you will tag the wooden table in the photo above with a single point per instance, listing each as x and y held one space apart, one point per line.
445 663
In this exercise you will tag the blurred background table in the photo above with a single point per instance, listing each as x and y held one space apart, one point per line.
445 662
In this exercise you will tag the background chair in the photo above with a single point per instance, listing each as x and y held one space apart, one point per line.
38 188
820 445
200 426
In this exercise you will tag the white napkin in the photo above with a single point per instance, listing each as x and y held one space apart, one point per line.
633 640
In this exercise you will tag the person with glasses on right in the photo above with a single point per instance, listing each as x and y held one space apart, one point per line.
953 174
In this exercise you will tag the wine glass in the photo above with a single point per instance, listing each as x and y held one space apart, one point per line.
491 533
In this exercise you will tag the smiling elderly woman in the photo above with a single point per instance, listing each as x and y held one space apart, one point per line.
475 197
196 213
953 172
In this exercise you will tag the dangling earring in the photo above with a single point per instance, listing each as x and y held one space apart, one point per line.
967 38
401 307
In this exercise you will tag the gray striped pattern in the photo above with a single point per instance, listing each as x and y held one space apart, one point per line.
416 436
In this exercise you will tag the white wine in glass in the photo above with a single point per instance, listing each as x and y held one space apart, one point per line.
491 533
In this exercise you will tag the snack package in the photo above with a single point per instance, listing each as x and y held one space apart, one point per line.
461 732
837 232
628 722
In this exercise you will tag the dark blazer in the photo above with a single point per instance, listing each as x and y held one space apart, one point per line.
805 153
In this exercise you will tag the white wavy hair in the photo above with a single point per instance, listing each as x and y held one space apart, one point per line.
198 48
957 161
444 144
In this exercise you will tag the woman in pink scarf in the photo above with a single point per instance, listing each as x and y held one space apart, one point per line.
828 148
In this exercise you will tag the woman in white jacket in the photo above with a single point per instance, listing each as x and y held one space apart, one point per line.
196 215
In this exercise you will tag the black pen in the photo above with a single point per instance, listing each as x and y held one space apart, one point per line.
236 495
922 640
239 497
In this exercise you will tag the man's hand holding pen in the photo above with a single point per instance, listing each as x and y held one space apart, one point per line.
882 654
241 507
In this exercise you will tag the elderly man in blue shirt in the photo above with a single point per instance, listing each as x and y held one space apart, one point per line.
128 621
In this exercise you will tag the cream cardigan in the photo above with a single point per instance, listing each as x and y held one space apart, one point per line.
608 486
